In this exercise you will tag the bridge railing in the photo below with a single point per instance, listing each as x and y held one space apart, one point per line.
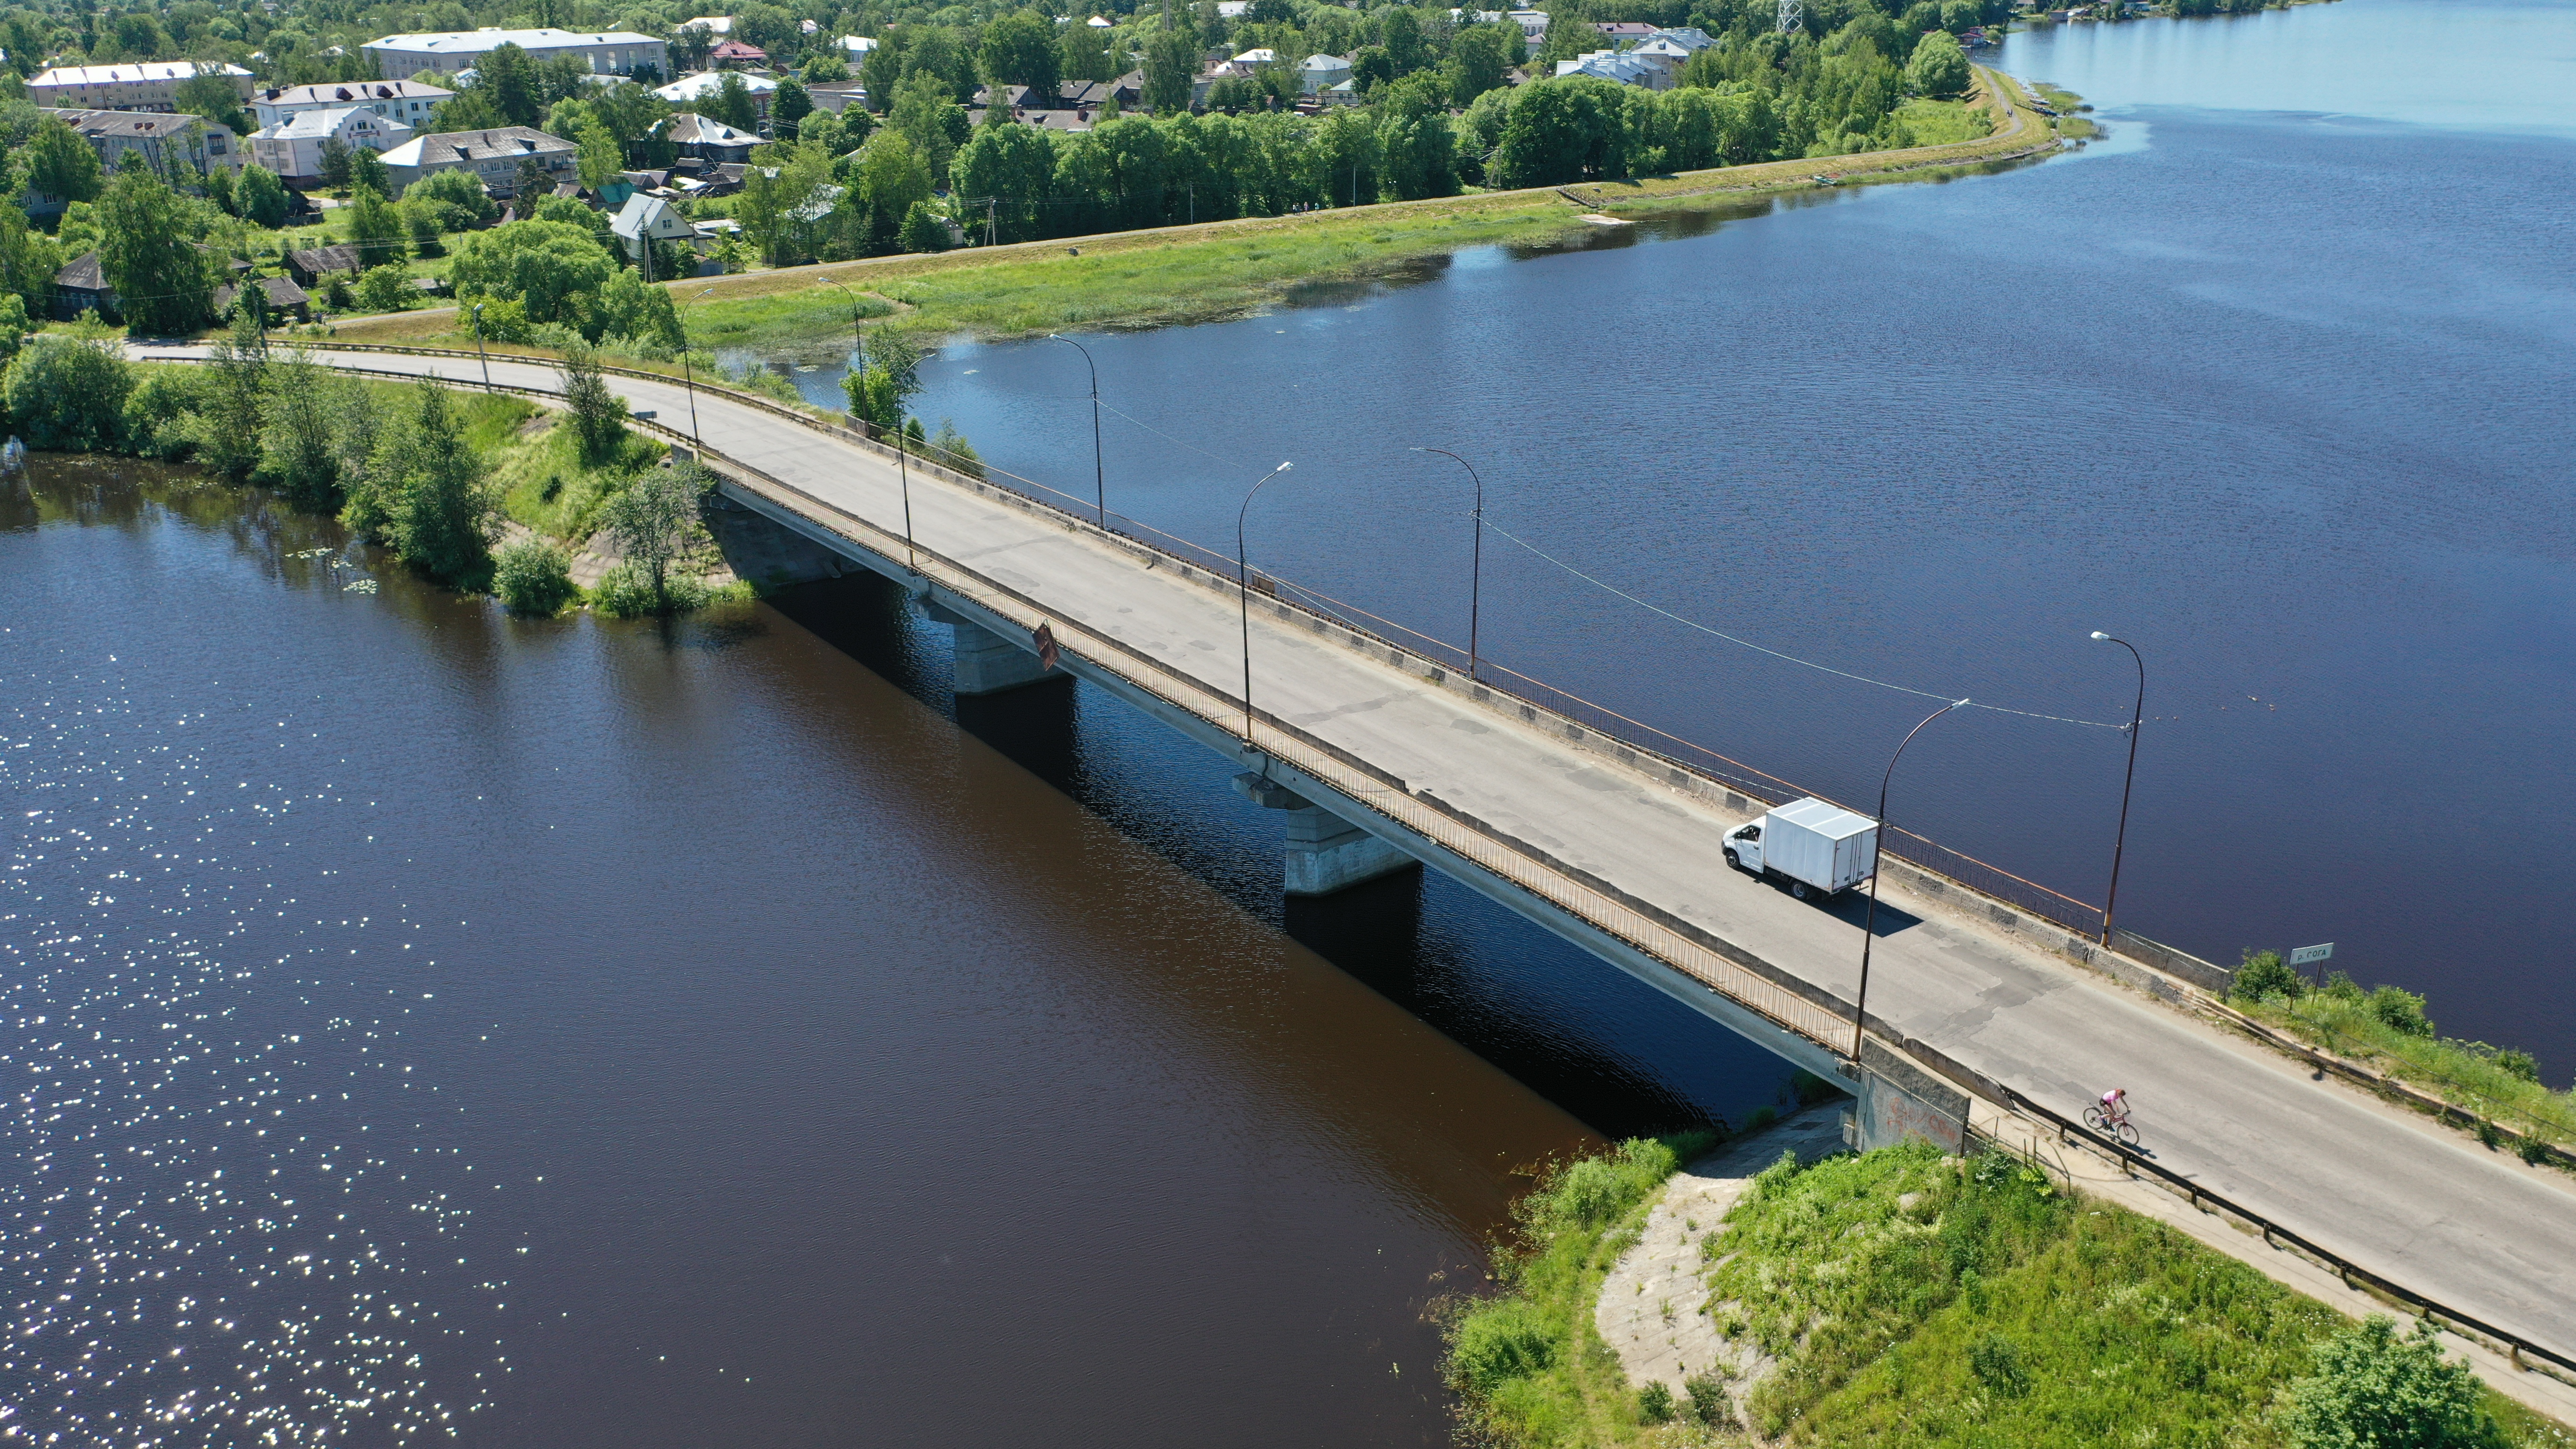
1757 786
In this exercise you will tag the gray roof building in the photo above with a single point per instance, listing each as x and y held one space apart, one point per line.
493 155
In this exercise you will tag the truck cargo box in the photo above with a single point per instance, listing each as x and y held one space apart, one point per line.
1823 845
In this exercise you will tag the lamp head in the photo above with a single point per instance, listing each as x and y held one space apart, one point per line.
1284 467
2098 634
1963 704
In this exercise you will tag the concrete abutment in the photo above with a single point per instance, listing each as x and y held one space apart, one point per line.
1325 852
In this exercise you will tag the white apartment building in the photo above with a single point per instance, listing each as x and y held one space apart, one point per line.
293 147
689 91
406 101
149 87
493 155
609 52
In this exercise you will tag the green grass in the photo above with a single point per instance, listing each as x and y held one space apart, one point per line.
1528 1364
548 485
1904 1298
2469 1075
1945 123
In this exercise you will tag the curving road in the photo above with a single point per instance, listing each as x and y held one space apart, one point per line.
2419 1205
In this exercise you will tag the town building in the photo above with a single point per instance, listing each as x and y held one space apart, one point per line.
293 147
711 24
285 299
1533 24
1618 30
693 90
837 96
82 286
1618 65
706 138
169 143
1317 74
608 52
150 87
855 49
409 102
647 219
493 156
736 55
313 266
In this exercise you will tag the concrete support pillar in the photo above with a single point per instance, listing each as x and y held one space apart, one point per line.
1325 852
1897 1102
988 663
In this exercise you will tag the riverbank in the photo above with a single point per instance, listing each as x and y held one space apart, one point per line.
1217 270
1895 1297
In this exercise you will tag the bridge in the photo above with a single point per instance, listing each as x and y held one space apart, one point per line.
1986 1010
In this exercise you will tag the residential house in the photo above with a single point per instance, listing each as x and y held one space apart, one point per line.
82 286
647 219
293 147
285 299
494 156
706 138
691 90
1533 24
312 268
1672 47
1345 94
736 55
711 24
151 87
1317 74
168 142
406 101
1620 66
1623 30
607 52
837 96
855 48
1246 63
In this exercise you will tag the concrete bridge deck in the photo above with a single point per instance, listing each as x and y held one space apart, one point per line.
1610 855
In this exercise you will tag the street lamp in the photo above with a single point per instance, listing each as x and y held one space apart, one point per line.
1243 577
1098 477
2120 843
1476 566
1869 928
478 347
858 345
689 374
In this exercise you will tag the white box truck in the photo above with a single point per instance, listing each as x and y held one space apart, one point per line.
1819 849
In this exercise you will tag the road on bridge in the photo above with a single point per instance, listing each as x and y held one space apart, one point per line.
2419 1205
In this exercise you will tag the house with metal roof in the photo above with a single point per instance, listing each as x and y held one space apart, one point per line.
409 102
169 143
607 52
493 157
293 147
149 87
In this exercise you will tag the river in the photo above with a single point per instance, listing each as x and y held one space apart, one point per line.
578 1033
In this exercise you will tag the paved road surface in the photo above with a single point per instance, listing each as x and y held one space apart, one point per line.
2419 1205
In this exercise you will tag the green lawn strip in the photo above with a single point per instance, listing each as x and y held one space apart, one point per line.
1528 1364
549 486
2469 1075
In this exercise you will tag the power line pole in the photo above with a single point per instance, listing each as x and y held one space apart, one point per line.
1790 16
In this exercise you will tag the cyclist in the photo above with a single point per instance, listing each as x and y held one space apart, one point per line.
2115 1106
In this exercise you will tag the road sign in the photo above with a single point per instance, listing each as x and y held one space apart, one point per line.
2311 955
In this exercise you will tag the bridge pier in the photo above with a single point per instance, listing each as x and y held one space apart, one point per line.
1325 852
988 663
1895 1101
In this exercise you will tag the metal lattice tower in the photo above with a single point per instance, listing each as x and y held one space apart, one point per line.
1790 16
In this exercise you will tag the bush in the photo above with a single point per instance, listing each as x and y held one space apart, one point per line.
626 592
456 197
533 576
67 392
953 450
385 289
923 230
2374 1390
2518 1064
598 413
1507 1340
159 410
2264 974
1708 1401
1997 1365
1655 1403
2400 1010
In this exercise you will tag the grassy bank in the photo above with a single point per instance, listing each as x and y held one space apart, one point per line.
1222 269
1907 1298
2386 1029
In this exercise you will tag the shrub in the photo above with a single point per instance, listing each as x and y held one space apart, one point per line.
2400 1010
1997 1365
598 413
626 592
533 576
68 392
1708 1401
1655 1403
2531 1148
1505 1340
2262 974
158 412
953 450
385 289
2374 1390
2518 1064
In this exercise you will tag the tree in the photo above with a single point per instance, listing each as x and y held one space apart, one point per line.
219 190
890 180
385 289
209 93
1171 68
458 196
789 108
60 163
507 75
226 425
598 413
421 224
733 105
2374 1390
467 110
147 249
924 230
1374 66
545 266
376 228
335 162
300 437
1418 147
1478 58
67 391
770 203
1014 166
930 118
650 523
1083 54
367 169
1939 68
1019 49
531 182
644 316
1401 33
260 196
533 576
424 492
29 260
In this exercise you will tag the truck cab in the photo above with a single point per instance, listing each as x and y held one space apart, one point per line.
1744 848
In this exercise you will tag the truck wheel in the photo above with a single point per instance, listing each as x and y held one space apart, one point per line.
1800 889
1732 863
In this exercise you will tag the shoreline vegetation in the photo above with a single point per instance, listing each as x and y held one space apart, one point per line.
1170 275
1901 1297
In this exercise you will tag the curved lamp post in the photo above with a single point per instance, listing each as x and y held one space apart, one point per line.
2120 843
688 374
478 347
1243 586
1476 564
1099 476
1869 927
858 345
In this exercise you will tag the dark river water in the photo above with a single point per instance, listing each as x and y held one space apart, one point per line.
575 1033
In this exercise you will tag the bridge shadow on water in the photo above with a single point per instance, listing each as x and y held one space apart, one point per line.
1617 1054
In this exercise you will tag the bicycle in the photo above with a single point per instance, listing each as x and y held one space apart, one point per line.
2118 1128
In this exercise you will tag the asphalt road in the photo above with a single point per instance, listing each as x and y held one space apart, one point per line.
2419 1205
